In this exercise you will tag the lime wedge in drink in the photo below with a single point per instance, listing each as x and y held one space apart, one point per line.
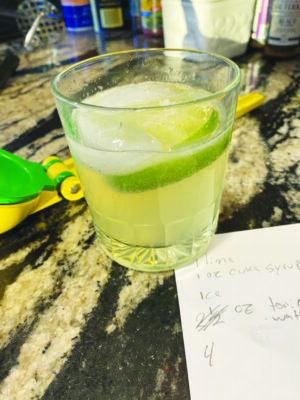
169 169
176 125
183 156
167 126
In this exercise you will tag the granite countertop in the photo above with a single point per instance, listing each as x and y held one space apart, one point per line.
75 325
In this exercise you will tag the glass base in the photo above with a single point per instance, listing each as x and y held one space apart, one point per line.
156 259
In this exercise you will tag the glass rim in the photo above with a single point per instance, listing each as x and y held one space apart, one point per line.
220 93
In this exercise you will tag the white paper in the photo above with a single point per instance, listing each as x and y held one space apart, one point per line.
240 314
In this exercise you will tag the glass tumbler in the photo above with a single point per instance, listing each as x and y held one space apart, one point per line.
149 132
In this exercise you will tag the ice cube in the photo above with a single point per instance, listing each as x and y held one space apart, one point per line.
108 145
110 162
144 94
98 130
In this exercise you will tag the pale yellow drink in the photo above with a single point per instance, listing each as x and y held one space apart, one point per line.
159 217
159 200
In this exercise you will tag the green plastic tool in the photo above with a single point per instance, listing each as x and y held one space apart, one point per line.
21 180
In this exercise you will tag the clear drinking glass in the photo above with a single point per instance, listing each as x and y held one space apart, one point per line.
149 132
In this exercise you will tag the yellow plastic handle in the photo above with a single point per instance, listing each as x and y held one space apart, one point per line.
248 102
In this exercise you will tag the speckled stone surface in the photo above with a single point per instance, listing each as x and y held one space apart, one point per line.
73 324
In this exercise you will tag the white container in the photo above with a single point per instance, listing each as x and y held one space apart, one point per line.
217 26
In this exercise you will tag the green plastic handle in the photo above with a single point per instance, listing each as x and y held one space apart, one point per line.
21 180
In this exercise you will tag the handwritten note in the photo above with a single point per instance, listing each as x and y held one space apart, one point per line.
240 313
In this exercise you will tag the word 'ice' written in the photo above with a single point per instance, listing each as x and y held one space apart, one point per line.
240 313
